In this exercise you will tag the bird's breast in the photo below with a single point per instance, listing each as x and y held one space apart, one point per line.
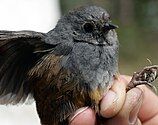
93 65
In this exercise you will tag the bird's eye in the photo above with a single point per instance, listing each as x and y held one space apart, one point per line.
88 27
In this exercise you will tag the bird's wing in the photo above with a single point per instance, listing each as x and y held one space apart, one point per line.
19 52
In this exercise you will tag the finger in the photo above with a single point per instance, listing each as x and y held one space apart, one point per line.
83 116
126 78
113 101
148 113
128 113
152 121
149 109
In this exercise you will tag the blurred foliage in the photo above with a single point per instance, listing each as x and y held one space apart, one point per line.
138 29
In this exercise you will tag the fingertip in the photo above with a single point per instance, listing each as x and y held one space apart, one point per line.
108 103
113 101
83 116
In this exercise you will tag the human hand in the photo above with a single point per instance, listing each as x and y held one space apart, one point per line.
139 106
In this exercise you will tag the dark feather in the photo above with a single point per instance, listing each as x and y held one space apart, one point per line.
19 52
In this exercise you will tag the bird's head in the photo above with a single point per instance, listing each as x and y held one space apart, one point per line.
88 24
93 41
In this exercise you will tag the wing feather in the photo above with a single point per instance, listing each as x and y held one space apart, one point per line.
17 57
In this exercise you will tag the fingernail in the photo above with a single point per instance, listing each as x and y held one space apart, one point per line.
79 111
83 116
134 111
108 100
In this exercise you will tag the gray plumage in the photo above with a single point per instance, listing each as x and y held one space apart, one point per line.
69 67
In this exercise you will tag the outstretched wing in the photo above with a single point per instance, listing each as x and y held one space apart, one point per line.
19 52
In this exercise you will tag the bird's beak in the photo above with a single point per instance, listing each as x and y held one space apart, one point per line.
109 26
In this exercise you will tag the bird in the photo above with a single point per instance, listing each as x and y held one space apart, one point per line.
69 67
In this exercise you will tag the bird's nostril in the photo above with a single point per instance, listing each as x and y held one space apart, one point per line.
109 26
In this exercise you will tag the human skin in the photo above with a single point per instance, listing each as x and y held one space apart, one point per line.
139 106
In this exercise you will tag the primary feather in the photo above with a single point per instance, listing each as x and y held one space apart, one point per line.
16 58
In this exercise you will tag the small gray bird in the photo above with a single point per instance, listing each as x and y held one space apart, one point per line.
67 68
